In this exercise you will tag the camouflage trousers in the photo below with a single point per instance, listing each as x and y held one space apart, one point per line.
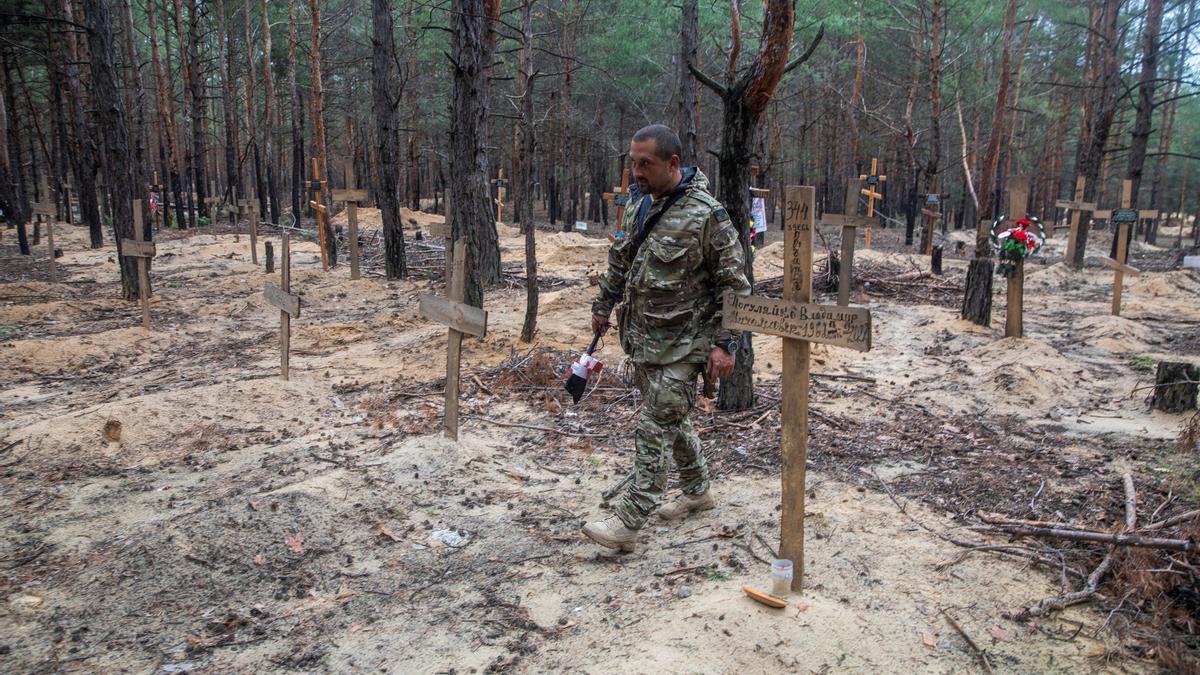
663 429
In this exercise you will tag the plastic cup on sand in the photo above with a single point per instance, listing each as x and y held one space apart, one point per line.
781 578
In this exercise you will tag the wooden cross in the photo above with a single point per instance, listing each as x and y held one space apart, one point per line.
317 186
288 304
140 249
1123 218
799 323
501 193
873 179
352 196
460 318
1018 207
619 197
45 209
1076 206
849 221
212 213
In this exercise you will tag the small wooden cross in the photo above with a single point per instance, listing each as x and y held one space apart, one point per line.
140 249
460 318
1123 218
1018 207
288 304
209 202
619 197
849 221
799 323
317 186
45 209
501 192
352 196
157 189
873 180
1076 206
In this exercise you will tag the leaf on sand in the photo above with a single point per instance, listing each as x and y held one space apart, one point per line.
294 541
929 639
260 560
382 530
999 634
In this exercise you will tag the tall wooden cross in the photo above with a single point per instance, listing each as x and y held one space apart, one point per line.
288 304
799 323
501 184
1018 207
352 196
45 209
849 221
1077 207
619 197
873 181
142 250
460 318
1123 219
318 205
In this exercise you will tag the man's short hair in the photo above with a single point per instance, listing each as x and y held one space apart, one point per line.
666 141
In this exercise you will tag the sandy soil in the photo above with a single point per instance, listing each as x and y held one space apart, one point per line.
243 523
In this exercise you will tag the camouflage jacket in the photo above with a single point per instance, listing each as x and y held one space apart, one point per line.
670 288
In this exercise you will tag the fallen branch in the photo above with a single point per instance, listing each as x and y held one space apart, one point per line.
1184 545
1047 605
983 659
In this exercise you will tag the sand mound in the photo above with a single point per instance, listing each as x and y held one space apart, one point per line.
1012 376
1167 284
1113 333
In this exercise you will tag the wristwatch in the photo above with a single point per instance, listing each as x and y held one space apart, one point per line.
730 346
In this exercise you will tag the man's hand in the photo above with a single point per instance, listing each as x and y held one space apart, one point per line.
600 324
720 363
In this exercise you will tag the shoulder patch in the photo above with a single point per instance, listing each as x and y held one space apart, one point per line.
720 213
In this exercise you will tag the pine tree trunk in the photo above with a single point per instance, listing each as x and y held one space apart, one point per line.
689 45
523 176
111 121
1100 105
470 204
977 299
13 199
1145 100
232 175
268 119
297 115
386 102
319 145
84 160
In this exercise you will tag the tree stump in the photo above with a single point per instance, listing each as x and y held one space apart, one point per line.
1175 387
270 258
935 261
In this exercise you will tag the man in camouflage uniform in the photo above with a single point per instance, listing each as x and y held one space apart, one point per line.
676 255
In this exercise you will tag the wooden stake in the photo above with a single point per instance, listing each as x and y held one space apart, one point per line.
352 219
45 212
1018 207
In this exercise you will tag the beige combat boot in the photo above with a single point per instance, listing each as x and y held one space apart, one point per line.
685 505
611 532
